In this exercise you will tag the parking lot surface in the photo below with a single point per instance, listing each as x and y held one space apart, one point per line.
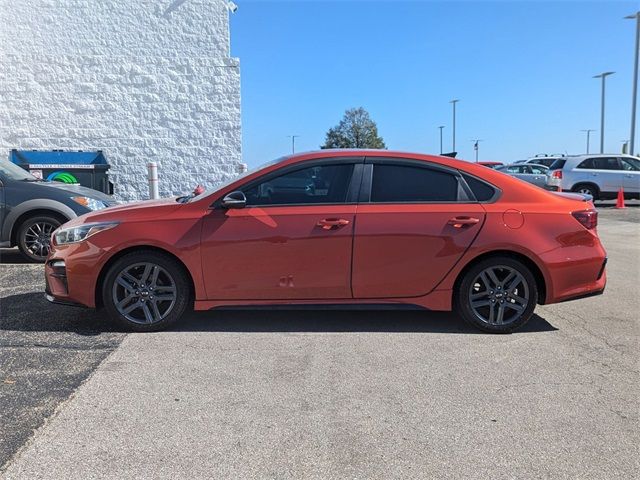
312 394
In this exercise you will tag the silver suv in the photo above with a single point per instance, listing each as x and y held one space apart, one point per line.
600 176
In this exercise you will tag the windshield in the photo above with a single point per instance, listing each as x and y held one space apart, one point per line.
558 164
12 171
222 185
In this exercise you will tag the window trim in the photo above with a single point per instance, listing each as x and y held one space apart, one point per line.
464 194
352 188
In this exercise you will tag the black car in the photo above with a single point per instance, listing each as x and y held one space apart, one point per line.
31 209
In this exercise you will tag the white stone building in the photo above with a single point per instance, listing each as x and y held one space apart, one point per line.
140 80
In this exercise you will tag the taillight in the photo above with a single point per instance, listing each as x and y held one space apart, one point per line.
557 174
588 218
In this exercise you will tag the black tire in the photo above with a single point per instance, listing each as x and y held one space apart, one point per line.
34 236
170 273
472 288
587 188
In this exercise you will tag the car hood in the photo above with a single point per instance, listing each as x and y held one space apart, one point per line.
131 212
79 190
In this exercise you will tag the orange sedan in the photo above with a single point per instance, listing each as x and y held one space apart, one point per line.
355 228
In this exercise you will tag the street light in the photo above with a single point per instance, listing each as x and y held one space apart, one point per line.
441 127
293 142
588 130
603 76
453 102
634 95
476 146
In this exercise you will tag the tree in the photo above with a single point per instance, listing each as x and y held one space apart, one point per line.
355 130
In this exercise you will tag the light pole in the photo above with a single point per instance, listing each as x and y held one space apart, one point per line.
293 142
634 95
603 76
588 130
453 102
476 146
441 127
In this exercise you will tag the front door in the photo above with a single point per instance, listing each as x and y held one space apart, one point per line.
293 240
412 229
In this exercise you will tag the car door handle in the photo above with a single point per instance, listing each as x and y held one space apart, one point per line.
459 222
332 223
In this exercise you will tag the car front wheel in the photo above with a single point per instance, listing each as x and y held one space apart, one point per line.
146 291
34 237
497 295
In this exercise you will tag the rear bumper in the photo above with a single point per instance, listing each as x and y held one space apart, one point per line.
588 281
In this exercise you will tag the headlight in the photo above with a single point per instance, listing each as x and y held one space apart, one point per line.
90 203
81 232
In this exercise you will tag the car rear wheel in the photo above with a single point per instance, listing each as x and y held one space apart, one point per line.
146 291
34 236
587 189
497 295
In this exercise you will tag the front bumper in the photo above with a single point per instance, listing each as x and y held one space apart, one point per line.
52 299
71 273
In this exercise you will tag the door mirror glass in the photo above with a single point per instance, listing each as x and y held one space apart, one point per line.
234 200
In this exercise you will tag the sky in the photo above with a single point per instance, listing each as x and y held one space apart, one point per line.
521 69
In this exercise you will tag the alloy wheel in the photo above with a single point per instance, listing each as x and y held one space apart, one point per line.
37 238
499 295
144 293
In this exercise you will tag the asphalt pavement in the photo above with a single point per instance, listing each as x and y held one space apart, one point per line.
311 394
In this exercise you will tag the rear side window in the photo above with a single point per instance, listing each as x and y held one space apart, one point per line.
601 163
407 184
482 191
547 162
557 165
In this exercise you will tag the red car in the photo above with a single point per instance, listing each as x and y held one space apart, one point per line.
349 227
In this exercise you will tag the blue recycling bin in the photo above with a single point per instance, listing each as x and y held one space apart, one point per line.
86 168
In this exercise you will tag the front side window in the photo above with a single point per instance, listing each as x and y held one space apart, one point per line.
407 184
320 184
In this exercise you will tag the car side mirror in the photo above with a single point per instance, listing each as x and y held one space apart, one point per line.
234 200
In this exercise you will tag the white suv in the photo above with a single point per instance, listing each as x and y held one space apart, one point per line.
600 176
546 160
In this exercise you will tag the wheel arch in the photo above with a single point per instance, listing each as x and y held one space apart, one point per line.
138 248
14 226
587 183
541 282
37 206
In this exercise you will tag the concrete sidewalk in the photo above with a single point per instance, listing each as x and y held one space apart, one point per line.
363 395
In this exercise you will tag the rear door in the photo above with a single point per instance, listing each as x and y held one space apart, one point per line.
538 175
414 222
